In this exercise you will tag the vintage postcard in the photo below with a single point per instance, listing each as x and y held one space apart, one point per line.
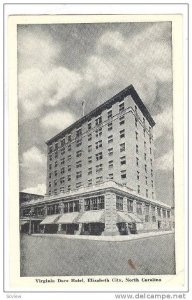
96 152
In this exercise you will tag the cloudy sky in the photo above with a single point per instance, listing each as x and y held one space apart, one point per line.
62 64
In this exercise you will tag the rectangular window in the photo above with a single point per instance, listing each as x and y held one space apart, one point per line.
50 157
110 139
62 161
138 175
89 125
137 161
130 205
146 218
144 132
110 151
69 168
89 137
98 144
55 172
151 161
109 114
89 148
79 153
137 149
62 180
69 158
99 179
147 193
56 154
50 166
123 160
122 134
139 208
136 135
146 168
55 182
69 177
78 184
136 122
78 132
110 164
168 214
150 150
151 173
62 142
159 211
98 132
138 189
69 147
78 142
145 156
122 147
119 203
49 175
145 145
89 171
164 213
56 146
50 149
152 194
110 176
89 182
90 159
69 138
56 164
121 120
79 164
99 156
94 203
62 151
123 174
49 184
98 120
62 170
146 209
99 168
146 180
110 126
121 107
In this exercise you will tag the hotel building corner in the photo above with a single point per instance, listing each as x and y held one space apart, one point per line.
100 175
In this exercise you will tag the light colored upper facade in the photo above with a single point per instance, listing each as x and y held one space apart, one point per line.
115 141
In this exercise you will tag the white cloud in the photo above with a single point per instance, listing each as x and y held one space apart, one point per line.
57 120
165 162
40 189
163 123
32 159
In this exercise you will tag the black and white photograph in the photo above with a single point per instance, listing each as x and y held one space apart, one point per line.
95 143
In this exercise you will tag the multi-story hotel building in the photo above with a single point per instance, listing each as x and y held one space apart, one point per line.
100 174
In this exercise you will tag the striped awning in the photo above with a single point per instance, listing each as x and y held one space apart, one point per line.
122 217
135 218
50 219
92 216
68 218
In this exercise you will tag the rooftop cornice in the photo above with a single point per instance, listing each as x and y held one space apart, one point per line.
118 97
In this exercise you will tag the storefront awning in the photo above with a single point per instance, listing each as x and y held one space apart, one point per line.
92 216
68 218
134 218
50 219
122 217
23 222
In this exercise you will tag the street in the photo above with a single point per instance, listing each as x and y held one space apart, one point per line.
54 256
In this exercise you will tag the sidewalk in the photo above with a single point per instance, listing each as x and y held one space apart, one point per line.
119 238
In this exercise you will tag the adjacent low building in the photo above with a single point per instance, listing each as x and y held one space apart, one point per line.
100 174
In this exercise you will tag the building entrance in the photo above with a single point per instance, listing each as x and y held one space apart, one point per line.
93 228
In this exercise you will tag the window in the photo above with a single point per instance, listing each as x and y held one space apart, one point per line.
146 209
89 171
62 180
146 168
62 170
90 159
89 137
138 175
122 133
98 144
145 145
79 164
123 160
110 176
110 151
50 166
136 122
110 139
121 107
89 182
130 205
62 161
144 132
99 156
49 184
109 114
78 132
69 177
79 153
136 135
62 151
69 138
137 149
147 193
146 218
119 203
56 146
55 182
151 173
99 168
78 184
62 189
164 213
98 120
122 147
69 158
56 154
56 164
69 147
69 168
152 183
70 206
94 203
89 148
159 211
146 180
110 126
138 189
121 120
98 132
78 142
151 161
110 164
150 150
137 161
99 179
50 149
139 208
49 175
152 194
62 142
55 172
168 214
89 125
50 157
145 156
123 174
69 187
